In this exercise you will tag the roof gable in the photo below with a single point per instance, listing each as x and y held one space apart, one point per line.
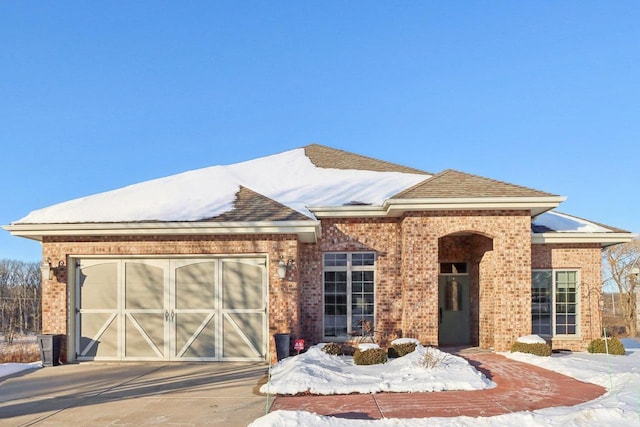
250 206
455 184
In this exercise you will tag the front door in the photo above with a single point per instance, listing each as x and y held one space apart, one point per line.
453 309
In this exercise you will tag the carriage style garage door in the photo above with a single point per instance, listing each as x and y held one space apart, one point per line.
207 309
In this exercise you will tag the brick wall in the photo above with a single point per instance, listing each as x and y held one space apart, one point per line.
504 301
496 245
283 294
587 259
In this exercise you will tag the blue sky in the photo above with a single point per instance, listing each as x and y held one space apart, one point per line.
98 95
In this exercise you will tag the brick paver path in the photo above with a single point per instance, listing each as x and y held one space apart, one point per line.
520 387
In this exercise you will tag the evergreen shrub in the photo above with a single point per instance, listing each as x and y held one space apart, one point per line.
399 350
372 356
536 349
614 344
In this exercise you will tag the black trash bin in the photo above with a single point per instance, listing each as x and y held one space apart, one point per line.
283 341
50 345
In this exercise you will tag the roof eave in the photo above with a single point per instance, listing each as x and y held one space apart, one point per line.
604 239
307 231
397 207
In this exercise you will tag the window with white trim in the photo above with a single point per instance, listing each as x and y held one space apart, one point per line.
349 293
555 302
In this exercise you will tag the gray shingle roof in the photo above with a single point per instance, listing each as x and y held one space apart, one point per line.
327 157
250 206
455 184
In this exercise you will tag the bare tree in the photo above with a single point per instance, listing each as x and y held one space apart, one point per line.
621 261
20 298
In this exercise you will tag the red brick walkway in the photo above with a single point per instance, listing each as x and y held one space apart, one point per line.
520 387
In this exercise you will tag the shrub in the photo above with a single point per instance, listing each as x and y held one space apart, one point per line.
614 344
333 349
536 349
372 356
19 353
399 350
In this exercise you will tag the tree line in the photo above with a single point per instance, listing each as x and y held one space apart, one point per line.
20 298
621 269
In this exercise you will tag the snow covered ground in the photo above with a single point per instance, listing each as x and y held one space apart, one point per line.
620 406
320 373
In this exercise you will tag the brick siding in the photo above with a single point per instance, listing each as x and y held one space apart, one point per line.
495 244
587 259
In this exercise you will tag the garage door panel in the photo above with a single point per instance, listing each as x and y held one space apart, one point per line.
195 286
196 335
144 335
144 286
98 336
242 285
243 335
99 286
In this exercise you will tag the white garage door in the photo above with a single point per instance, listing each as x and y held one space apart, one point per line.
208 309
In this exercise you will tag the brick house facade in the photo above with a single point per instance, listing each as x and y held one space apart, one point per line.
440 232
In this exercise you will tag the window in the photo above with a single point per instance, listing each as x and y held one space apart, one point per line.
349 298
554 302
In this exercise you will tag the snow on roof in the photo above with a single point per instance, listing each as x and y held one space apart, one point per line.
289 178
563 223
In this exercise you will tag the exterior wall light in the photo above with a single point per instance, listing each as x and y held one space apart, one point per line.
283 267
49 271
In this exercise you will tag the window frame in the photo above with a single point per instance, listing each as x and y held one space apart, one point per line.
349 268
554 303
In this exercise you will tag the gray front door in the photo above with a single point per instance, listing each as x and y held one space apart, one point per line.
453 310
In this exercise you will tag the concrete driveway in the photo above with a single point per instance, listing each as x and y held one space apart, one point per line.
134 394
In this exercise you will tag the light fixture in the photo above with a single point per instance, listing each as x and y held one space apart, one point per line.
49 271
283 267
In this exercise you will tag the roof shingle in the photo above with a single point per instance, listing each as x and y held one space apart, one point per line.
454 184
332 158
250 206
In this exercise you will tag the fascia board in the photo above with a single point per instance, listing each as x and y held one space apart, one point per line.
307 231
348 211
397 207
604 239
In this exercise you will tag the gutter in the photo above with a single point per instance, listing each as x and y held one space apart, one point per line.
307 231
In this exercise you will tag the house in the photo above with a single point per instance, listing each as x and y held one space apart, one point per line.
207 265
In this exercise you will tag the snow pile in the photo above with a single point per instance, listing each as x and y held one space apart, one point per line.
531 339
563 223
289 178
7 369
319 373
619 407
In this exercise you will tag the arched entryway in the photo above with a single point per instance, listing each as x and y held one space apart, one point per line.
463 260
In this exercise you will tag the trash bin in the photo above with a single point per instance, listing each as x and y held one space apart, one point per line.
283 341
50 345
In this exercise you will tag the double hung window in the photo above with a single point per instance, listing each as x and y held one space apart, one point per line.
349 293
